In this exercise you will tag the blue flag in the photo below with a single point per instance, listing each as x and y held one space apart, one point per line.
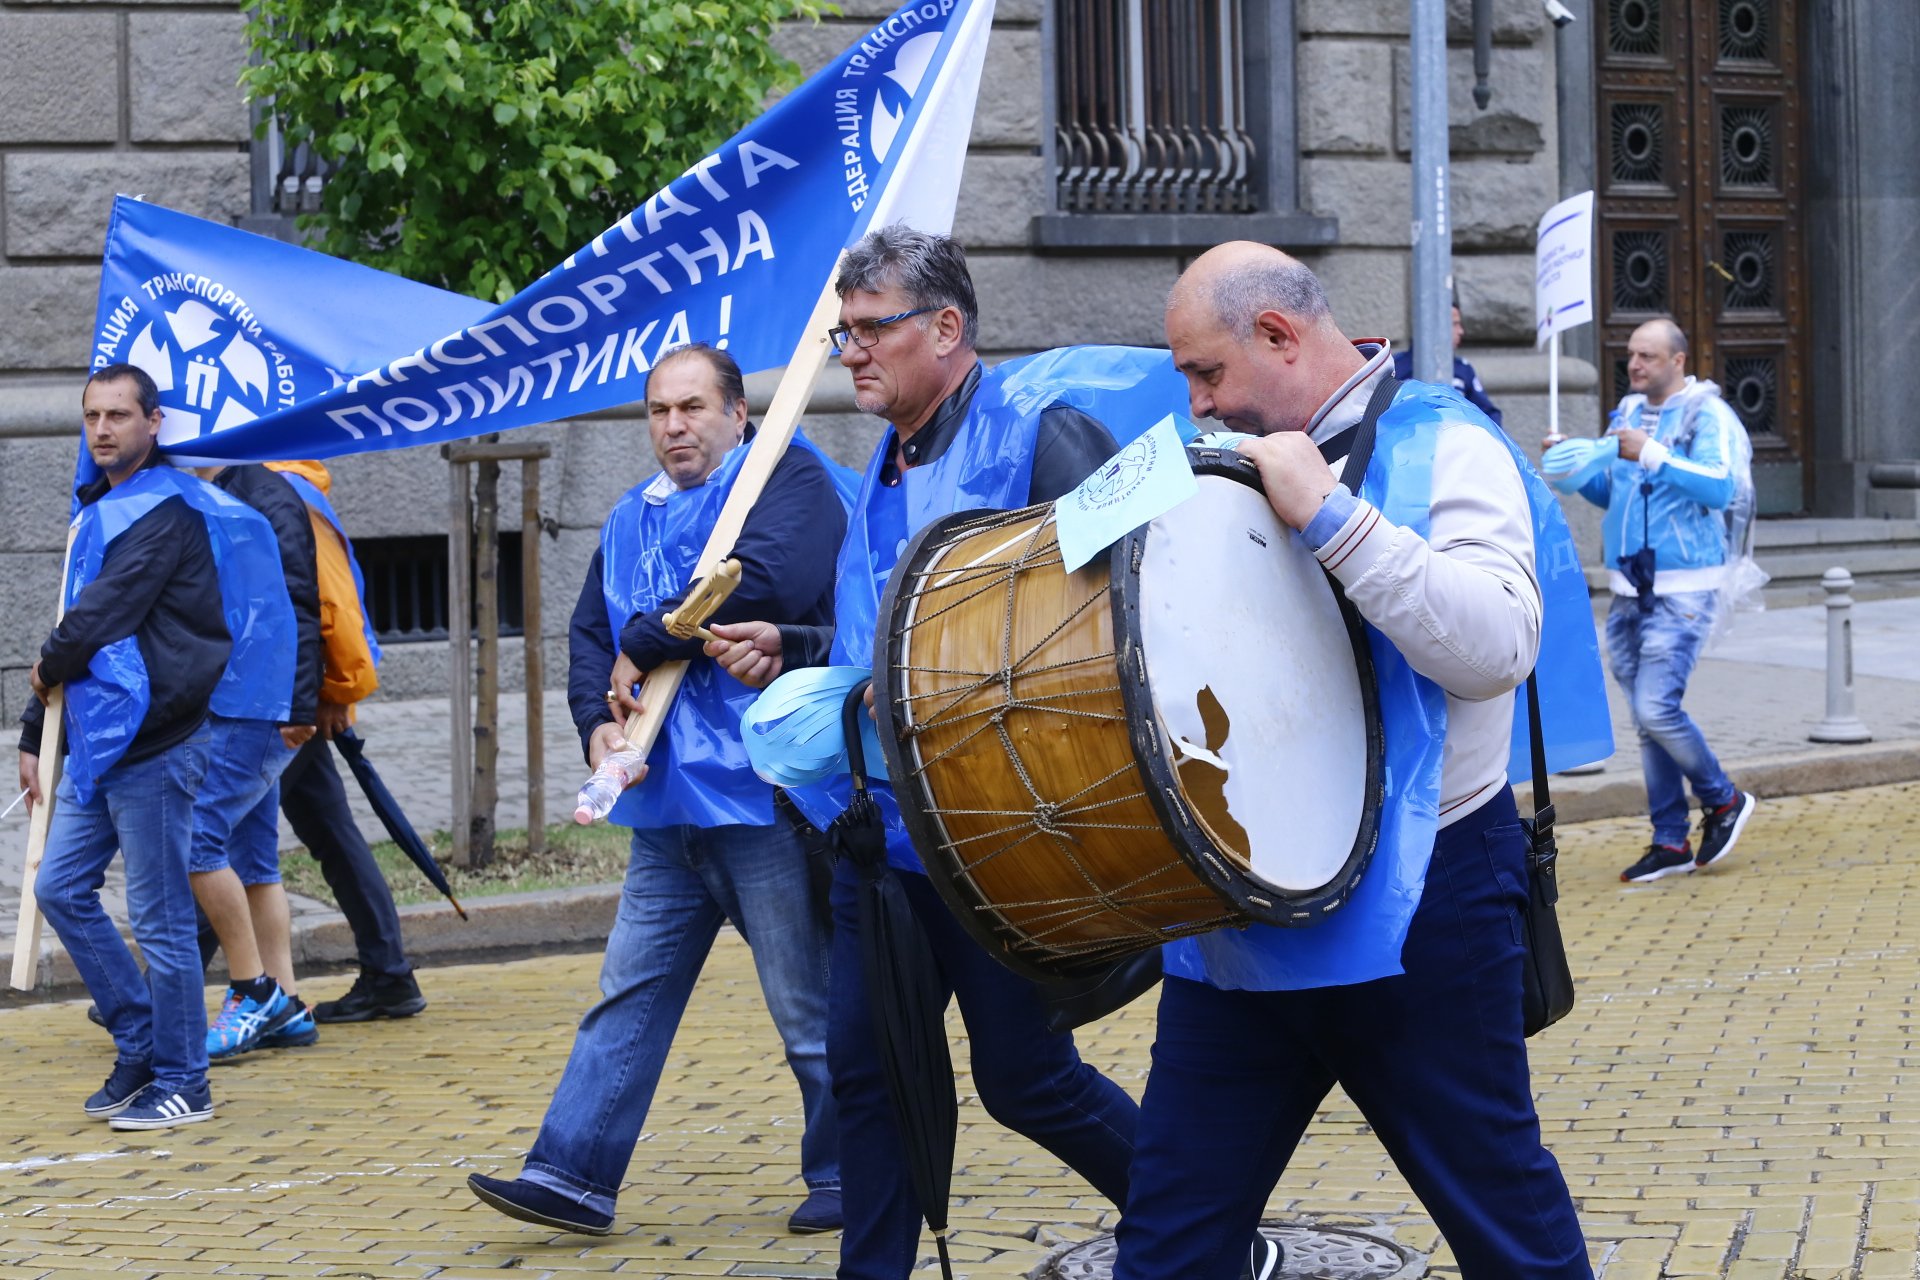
735 253
235 328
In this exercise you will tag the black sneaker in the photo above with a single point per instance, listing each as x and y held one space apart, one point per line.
530 1203
820 1211
1659 860
1720 828
118 1093
1264 1259
158 1107
373 995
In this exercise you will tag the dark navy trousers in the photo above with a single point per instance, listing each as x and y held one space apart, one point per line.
1434 1058
1029 1079
315 802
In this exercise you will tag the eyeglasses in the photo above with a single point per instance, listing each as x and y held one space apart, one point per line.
864 333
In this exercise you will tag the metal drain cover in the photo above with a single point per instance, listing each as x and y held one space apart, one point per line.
1312 1253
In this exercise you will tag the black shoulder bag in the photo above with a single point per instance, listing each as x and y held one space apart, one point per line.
1547 993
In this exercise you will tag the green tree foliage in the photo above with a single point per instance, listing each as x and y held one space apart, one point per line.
473 145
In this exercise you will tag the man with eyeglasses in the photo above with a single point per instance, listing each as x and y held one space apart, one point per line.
956 441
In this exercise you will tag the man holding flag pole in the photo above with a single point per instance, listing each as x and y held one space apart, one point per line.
877 138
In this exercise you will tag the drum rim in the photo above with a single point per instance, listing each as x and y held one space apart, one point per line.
1260 902
909 793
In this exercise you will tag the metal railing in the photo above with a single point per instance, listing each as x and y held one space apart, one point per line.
1150 114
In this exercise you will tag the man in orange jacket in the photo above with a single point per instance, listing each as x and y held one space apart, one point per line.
311 794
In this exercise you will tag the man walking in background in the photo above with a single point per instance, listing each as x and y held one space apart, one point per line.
1676 470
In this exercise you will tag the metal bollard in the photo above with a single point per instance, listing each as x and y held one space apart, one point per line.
1840 724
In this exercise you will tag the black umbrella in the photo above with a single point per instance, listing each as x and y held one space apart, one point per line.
904 991
388 810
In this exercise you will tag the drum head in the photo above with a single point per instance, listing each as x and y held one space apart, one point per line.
1252 699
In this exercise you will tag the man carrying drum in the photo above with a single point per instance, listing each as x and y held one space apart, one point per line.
908 322
1437 554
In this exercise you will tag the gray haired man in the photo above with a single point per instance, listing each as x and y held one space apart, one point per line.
908 325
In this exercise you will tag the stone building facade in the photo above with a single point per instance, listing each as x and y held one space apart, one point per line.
130 96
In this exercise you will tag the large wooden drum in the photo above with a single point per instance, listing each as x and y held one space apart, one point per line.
1181 736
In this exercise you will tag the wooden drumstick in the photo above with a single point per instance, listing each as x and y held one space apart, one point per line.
686 622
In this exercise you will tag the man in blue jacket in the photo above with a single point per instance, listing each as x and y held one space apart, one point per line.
1466 380
1678 452
152 599
956 440
708 844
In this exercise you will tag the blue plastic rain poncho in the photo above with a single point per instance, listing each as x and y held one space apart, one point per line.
1362 940
106 706
988 465
310 494
698 772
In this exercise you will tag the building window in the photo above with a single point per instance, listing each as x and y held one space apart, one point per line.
406 581
287 181
1150 112
1172 125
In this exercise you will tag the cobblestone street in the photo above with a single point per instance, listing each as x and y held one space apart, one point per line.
1733 1096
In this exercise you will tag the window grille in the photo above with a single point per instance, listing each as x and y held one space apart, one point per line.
287 181
1151 108
407 587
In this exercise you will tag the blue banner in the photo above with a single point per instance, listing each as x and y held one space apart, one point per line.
235 328
735 253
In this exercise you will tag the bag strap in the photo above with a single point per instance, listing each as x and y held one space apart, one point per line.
1357 441
1542 793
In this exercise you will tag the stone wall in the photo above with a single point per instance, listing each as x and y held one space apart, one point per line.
95 99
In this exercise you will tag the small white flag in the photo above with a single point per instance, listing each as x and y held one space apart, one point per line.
1148 478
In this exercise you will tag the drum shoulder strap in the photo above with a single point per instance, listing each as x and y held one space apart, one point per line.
1362 435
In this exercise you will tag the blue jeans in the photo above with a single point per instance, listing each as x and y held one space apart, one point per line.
236 819
681 883
1652 655
1433 1058
1029 1079
145 811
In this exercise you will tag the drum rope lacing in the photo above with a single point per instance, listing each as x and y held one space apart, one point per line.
1047 818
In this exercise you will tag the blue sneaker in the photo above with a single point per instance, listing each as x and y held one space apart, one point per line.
158 1107
243 1020
298 1030
127 1080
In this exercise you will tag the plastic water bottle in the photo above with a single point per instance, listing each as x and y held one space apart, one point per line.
597 798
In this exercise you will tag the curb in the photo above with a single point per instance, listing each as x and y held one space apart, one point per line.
576 919
579 919
1621 793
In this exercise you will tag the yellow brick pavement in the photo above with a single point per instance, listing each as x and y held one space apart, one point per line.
1737 1095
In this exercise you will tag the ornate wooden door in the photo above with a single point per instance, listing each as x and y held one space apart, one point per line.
1699 202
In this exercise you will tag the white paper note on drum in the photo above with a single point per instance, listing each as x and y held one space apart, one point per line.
1142 482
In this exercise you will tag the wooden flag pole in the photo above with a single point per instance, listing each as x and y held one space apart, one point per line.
26 933
769 444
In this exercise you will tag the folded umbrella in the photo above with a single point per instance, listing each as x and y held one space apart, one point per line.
904 993
388 810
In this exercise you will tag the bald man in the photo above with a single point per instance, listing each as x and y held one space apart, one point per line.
1680 448
1256 1026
